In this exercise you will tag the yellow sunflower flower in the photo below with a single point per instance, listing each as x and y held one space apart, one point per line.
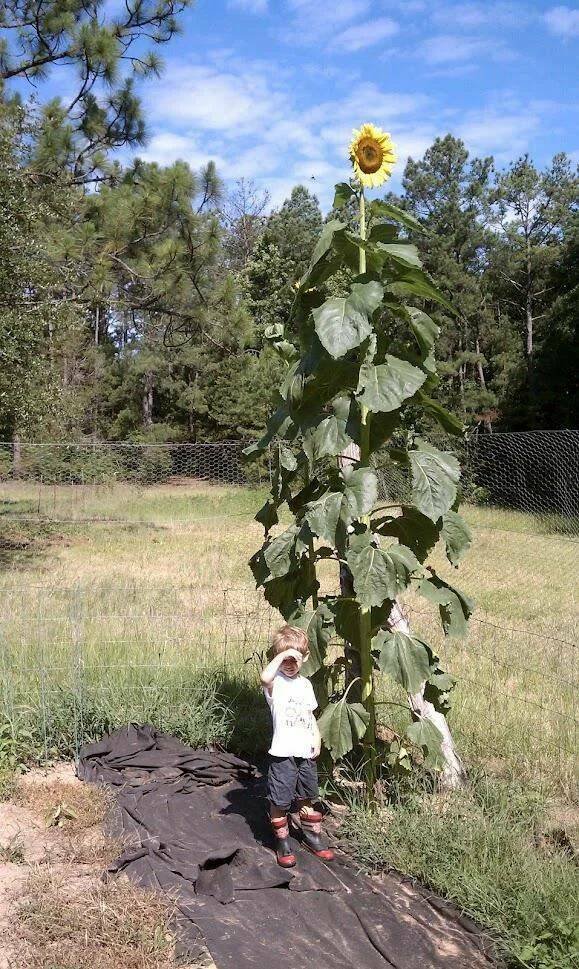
372 155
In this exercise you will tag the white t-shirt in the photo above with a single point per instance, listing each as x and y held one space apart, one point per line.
292 704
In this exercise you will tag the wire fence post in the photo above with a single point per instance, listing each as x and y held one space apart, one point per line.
77 691
43 697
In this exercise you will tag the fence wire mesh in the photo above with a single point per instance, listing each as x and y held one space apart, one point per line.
125 594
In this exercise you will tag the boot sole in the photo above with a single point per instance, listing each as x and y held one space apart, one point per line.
317 853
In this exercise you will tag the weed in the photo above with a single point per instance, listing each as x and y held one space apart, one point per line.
13 852
477 848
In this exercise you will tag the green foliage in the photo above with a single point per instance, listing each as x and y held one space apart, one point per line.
351 385
435 477
406 658
38 313
478 849
343 323
342 725
108 50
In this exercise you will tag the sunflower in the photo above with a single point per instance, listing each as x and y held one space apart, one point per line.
372 154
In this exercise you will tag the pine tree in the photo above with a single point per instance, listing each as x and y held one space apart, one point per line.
269 295
107 51
447 191
531 209
295 229
38 310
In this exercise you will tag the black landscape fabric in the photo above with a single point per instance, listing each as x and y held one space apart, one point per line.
198 831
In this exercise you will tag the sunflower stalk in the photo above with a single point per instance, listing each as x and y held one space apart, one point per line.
346 391
367 677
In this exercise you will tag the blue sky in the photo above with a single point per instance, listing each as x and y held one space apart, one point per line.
271 89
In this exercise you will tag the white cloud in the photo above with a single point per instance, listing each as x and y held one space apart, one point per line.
312 20
502 132
166 147
220 100
250 117
563 21
454 49
366 34
468 16
250 6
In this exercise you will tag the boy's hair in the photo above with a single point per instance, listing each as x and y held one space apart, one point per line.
288 637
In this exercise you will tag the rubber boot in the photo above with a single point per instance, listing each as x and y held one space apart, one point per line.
311 822
284 854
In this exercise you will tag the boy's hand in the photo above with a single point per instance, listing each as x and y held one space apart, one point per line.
317 749
292 654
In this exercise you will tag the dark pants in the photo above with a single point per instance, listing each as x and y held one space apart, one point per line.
289 778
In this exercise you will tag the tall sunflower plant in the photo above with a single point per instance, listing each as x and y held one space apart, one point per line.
350 391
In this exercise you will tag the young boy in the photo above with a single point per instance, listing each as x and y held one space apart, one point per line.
292 773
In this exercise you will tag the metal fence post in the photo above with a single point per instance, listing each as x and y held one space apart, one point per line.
76 630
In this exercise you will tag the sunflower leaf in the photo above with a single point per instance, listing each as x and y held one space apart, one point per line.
342 725
425 330
386 386
412 529
319 627
457 536
392 212
267 515
407 659
321 263
435 477
360 492
454 606
323 515
342 194
448 421
342 323
415 282
403 253
330 437
424 734
378 574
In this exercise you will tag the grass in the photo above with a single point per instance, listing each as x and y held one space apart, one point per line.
151 616
479 847
108 926
63 915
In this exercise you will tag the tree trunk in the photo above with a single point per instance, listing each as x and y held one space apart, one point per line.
148 389
453 774
481 376
479 366
349 456
529 309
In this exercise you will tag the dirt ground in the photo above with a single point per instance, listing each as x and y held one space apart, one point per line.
56 909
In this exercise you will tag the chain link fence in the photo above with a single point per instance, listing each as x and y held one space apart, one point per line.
125 594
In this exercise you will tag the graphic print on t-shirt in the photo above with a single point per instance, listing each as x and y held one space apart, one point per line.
296 713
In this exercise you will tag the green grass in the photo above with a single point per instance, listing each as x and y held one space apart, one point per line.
483 848
105 620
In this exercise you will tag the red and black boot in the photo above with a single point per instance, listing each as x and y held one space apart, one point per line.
284 854
311 822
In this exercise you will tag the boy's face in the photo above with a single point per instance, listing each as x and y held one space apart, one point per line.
293 662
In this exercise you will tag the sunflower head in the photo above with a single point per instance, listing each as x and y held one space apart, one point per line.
372 155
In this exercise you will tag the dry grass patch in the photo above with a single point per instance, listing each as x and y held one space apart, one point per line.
64 924
63 801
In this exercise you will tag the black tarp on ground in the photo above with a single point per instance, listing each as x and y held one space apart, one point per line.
198 830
